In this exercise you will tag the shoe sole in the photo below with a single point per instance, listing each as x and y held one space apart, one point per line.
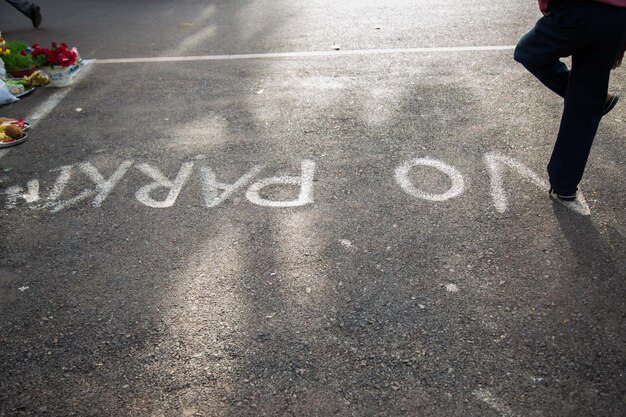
562 197
611 104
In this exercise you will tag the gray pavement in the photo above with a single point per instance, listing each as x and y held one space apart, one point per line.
347 234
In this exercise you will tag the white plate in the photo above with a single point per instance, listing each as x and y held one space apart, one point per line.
27 91
15 142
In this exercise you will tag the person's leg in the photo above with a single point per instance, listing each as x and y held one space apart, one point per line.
540 50
584 104
586 97
21 5
28 9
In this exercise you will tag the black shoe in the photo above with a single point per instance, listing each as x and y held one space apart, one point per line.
35 15
610 104
564 197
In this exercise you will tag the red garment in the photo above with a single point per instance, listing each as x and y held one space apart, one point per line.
543 4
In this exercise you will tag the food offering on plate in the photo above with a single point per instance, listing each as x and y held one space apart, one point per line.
16 89
21 87
19 122
36 79
12 131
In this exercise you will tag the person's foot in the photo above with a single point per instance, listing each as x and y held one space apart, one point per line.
564 197
611 101
35 15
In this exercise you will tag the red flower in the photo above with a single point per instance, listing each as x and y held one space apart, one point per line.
59 55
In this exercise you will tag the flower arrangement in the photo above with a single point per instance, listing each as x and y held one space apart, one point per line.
3 46
15 61
59 55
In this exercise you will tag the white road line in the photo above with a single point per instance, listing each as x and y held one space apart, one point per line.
493 402
303 54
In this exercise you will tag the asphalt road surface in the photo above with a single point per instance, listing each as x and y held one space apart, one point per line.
326 208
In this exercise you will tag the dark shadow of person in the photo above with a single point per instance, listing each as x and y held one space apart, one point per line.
593 292
592 250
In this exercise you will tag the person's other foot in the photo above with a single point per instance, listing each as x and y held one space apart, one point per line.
35 15
611 101
563 197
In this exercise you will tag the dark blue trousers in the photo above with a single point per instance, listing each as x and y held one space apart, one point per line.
22 5
593 34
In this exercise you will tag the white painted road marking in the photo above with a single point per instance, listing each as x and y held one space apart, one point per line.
160 181
211 187
15 192
303 54
493 402
452 287
494 161
495 165
60 183
456 189
101 191
305 182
